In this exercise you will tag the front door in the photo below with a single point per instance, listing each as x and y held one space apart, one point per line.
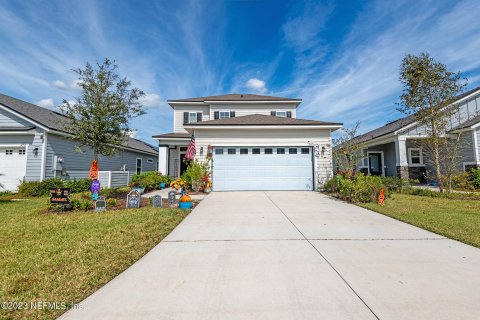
183 163
375 163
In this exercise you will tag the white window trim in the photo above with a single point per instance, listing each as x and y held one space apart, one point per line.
410 164
383 161
141 165
189 114
284 112
220 114
149 160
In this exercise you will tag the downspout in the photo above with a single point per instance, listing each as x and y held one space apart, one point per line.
44 156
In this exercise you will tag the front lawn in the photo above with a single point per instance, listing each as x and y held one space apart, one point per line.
63 258
455 219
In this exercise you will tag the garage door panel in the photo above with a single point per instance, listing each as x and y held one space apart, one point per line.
13 161
262 171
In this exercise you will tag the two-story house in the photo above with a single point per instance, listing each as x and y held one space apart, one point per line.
255 142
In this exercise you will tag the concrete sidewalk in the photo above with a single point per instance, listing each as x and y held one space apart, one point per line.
293 255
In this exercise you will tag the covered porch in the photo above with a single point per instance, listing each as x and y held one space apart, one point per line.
172 149
398 156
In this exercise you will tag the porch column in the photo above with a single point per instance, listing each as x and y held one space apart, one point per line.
401 157
163 159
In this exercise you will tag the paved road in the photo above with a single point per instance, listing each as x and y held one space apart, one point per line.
293 255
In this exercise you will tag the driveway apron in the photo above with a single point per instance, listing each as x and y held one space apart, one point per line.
292 255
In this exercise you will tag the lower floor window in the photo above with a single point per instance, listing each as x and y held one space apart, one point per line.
415 156
139 166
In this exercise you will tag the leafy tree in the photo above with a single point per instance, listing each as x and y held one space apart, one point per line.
99 117
347 152
429 89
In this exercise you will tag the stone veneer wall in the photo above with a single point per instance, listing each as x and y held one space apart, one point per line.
405 172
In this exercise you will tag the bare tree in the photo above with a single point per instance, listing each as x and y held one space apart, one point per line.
347 152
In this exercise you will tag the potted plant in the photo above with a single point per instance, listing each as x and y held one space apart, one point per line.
185 202
178 184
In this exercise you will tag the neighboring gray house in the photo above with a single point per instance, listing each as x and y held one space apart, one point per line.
392 150
34 146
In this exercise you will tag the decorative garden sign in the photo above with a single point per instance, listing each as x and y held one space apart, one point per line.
133 199
157 201
95 189
101 204
171 198
60 195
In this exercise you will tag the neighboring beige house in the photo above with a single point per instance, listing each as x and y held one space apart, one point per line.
256 142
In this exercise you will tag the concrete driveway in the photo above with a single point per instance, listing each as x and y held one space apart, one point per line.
293 255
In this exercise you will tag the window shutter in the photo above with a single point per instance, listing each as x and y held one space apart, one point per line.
185 117
289 114
232 114
216 115
199 117
273 113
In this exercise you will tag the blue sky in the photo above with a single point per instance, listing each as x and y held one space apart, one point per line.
340 57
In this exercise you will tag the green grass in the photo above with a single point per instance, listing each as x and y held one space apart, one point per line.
455 219
66 257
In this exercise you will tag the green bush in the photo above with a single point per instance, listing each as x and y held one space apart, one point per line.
31 189
195 173
47 184
149 180
475 178
78 185
436 194
358 188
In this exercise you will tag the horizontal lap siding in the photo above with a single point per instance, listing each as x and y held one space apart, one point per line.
179 110
8 119
244 110
77 164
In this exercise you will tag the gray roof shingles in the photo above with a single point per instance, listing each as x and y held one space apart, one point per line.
263 120
57 121
236 97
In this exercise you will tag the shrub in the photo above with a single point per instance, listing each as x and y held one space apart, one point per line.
462 181
30 189
78 185
111 202
436 194
475 178
47 184
358 188
149 180
195 173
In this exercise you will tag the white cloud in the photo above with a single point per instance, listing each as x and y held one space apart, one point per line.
256 85
151 100
133 134
46 103
59 84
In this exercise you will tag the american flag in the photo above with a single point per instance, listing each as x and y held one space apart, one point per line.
190 154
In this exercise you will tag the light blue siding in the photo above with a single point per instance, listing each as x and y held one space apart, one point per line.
8 119
76 164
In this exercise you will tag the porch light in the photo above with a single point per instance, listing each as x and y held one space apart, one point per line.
35 152
201 151
323 151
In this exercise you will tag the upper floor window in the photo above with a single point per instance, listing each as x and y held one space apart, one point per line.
223 114
415 157
283 114
192 117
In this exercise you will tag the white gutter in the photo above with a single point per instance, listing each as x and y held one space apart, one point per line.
476 146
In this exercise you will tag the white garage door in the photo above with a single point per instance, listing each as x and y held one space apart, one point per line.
262 168
13 164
